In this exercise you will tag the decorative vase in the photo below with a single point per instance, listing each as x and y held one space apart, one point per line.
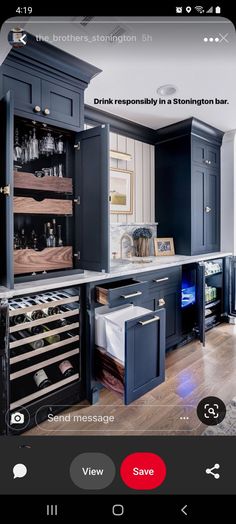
142 247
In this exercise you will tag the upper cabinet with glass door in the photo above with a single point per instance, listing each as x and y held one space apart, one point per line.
54 201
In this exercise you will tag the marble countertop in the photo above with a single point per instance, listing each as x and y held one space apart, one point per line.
118 269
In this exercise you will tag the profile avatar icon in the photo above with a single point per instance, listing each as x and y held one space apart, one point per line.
17 37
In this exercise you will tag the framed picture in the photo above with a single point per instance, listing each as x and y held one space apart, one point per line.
163 247
121 191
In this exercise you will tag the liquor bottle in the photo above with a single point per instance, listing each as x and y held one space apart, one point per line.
51 239
16 241
51 339
23 241
59 238
41 379
36 344
66 368
54 227
34 240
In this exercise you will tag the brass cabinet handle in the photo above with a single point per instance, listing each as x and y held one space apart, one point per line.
37 109
161 302
208 162
208 209
46 111
136 294
161 279
5 190
145 322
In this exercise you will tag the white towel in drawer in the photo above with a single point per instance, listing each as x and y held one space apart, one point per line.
100 330
115 329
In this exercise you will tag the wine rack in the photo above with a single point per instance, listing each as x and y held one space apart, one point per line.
60 343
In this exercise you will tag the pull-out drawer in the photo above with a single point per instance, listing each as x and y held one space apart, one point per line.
143 367
120 292
165 278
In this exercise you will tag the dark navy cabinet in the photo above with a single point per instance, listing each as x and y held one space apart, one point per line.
188 184
42 88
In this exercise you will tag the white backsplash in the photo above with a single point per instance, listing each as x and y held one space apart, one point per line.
116 232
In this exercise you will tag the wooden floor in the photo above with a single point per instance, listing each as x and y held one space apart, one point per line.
192 372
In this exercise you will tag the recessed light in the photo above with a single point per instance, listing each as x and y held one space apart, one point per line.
166 90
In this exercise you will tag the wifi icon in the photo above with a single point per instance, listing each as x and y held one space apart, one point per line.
199 8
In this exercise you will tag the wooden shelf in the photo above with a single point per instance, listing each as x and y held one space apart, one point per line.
43 392
46 320
212 303
47 206
43 364
60 302
45 334
45 349
31 261
24 180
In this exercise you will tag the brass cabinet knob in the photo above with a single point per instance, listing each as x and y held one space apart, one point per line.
37 109
5 190
46 111
161 302
208 209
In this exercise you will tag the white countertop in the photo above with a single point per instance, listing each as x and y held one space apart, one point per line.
118 269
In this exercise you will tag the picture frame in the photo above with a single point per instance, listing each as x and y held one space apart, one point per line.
163 247
121 191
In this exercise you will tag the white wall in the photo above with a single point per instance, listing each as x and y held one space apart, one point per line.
142 164
228 192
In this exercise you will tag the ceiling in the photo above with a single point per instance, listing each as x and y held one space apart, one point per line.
156 52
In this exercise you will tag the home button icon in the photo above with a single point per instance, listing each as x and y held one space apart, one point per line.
118 510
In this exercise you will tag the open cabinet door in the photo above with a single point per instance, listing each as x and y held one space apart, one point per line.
92 213
6 191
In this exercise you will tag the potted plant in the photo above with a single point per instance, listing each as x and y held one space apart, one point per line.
141 238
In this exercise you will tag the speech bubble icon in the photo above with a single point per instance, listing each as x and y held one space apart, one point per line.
19 471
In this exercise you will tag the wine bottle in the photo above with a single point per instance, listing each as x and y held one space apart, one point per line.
23 241
59 238
19 349
69 307
51 339
66 368
17 319
36 344
41 379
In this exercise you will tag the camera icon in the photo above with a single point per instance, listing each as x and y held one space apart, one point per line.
17 418
179 10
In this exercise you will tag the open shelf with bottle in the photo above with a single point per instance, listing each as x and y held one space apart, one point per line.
54 198
44 344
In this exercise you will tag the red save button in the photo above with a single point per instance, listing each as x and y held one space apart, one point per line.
143 471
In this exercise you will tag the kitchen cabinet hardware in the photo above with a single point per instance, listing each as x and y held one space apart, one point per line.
46 111
37 109
208 209
149 321
160 279
161 302
131 295
77 146
5 190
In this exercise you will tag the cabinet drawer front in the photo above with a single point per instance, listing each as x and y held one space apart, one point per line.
48 183
63 104
26 88
31 261
121 292
50 206
165 278
144 365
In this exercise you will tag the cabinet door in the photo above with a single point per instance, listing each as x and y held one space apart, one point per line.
4 366
213 156
144 354
92 187
198 214
25 88
64 104
199 151
212 210
170 299
6 199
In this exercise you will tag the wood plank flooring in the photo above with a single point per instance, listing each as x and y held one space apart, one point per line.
192 372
